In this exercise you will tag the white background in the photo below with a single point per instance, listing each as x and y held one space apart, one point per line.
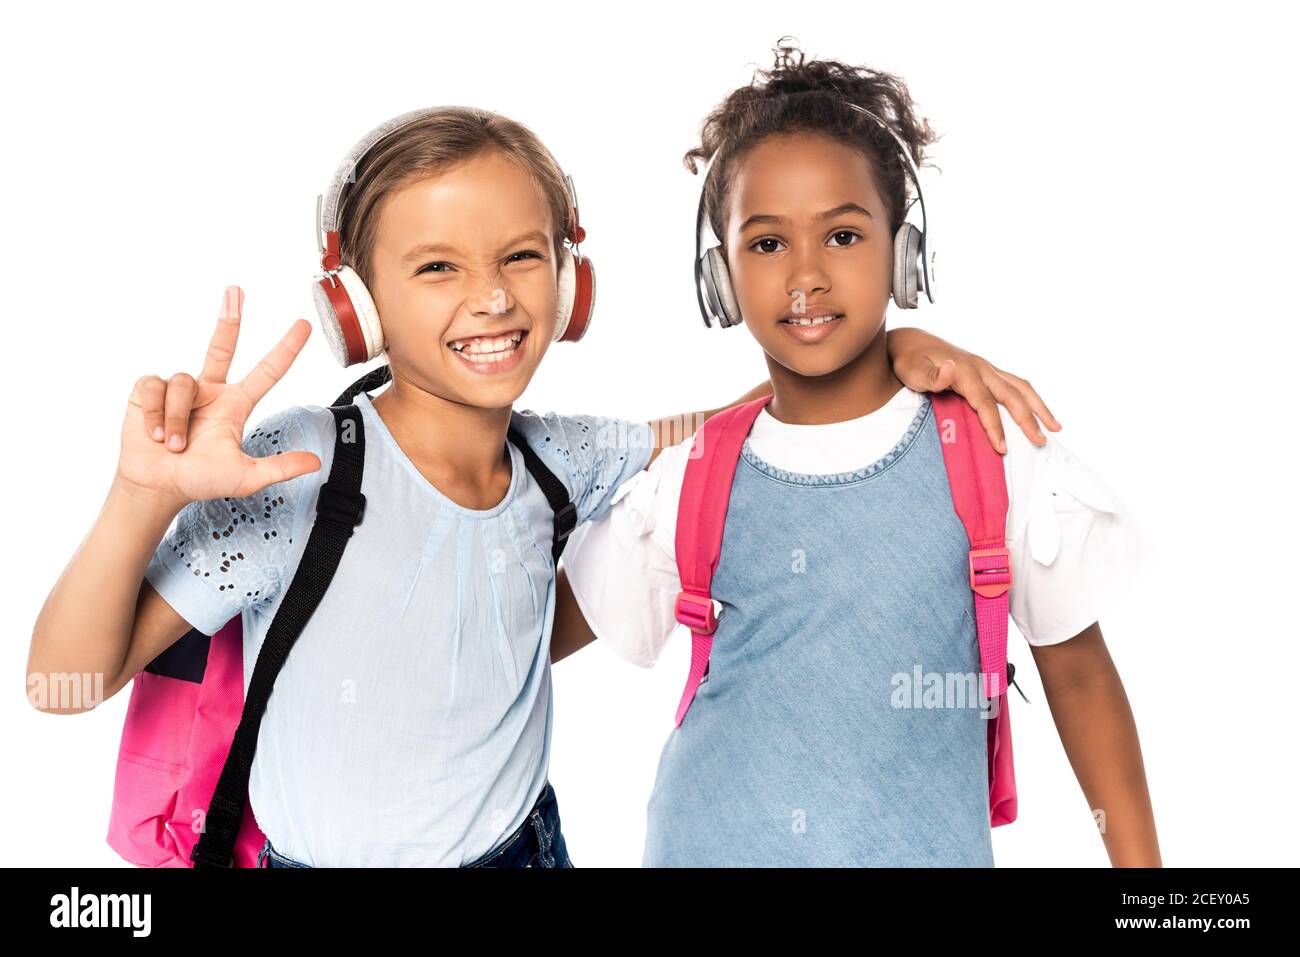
1115 220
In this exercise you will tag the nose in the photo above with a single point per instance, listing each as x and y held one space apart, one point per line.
490 297
808 274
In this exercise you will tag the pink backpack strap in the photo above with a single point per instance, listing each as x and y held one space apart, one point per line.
701 516
979 496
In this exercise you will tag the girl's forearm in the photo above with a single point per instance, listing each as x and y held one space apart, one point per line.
673 429
1100 738
85 626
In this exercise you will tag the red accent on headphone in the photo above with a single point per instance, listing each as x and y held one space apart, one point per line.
330 260
348 322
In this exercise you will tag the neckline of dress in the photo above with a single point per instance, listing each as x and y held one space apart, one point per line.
375 425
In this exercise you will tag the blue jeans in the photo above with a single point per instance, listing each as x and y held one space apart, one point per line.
537 842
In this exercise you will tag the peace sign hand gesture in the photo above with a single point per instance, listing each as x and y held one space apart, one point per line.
202 422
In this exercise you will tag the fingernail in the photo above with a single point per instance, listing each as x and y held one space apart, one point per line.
231 302
175 443
158 433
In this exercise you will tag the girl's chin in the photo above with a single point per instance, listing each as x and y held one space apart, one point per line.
810 368
492 388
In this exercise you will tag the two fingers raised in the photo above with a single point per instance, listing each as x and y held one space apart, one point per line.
167 403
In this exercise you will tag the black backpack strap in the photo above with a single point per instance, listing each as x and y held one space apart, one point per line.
371 380
338 511
566 514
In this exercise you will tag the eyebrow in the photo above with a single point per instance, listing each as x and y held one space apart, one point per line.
839 210
428 249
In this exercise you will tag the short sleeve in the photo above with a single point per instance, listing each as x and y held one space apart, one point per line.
592 455
1075 546
227 555
623 568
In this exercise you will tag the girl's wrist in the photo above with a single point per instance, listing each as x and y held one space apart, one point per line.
144 505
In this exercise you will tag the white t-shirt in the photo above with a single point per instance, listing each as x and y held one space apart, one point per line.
1073 544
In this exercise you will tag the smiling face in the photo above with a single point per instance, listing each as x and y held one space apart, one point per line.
464 280
809 251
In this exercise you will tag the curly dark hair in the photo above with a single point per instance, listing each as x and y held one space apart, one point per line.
798 95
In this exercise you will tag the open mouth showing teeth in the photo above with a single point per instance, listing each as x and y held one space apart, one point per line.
806 321
487 349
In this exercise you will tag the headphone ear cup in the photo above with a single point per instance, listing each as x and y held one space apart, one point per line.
330 325
566 280
717 279
366 311
575 298
348 317
907 256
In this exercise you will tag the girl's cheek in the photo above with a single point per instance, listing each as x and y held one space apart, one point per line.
539 298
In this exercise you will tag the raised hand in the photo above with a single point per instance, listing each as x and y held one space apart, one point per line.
182 439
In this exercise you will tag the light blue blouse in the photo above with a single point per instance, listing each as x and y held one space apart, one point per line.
411 724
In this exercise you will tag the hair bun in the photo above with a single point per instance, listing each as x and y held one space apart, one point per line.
785 54
799 94
793 73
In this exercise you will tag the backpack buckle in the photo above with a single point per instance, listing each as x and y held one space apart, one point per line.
697 614
565 521
341 506
993 577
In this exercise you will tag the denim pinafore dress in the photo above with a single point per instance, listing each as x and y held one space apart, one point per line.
839 723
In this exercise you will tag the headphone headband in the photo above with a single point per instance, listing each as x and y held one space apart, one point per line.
328 215
926 266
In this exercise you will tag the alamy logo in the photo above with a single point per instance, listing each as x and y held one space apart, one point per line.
945 689
102 910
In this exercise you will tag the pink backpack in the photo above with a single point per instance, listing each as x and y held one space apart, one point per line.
180 797
978 485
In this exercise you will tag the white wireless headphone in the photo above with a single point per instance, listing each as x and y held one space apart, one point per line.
347 311
913 257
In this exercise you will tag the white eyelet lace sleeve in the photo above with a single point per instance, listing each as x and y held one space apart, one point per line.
591 454
226 555
1075 547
